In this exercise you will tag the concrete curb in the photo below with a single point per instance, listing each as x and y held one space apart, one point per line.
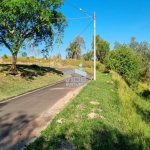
28 92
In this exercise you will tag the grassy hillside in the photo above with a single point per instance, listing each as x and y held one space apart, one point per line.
106 114
29 77
53 62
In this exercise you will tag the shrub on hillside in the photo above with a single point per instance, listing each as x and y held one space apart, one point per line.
4 56
101 67
124 61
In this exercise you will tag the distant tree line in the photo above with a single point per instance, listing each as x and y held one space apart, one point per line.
131 61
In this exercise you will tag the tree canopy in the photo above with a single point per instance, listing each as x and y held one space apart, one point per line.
102 48
88 56
75 48
143 50
30 19
127 63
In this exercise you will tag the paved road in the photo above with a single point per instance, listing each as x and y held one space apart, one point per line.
16 113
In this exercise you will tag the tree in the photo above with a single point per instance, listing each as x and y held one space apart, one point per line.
29 20
126 62
23 54
117 45
75 48
102 48
4 56
134 44
143 50
58 55
88 56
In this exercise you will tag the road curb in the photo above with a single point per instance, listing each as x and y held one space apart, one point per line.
28 92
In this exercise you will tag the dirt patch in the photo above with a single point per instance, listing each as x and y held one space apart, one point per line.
92 115
94 102
100 110
81 106
102 117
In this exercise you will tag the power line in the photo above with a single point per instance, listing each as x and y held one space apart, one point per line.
72 5
79 9
86 27
72 18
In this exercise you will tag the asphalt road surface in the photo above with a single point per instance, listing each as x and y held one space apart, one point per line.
16 113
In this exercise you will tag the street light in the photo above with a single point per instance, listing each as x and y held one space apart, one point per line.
94 20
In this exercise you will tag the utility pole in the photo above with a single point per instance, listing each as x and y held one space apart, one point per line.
94 45
94 19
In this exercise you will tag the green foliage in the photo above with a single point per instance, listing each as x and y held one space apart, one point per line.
143 50
32 57
75 48
4 56
124 61
101 68
30 20
102 48
143 90
23 54
88 56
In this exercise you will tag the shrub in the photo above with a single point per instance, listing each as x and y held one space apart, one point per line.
124 61
4 56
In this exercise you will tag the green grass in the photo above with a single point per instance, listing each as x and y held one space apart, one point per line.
122 119
28 78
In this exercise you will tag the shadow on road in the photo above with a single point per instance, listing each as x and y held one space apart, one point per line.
9 125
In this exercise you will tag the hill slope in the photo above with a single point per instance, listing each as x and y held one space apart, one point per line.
106 114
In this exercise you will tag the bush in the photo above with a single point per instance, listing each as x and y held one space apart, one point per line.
101 68
4 56
124 61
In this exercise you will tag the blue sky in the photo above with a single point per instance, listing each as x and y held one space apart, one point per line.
116 20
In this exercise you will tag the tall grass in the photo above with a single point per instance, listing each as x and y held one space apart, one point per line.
134 114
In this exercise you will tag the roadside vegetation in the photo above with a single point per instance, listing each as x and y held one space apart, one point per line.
106 114
131 61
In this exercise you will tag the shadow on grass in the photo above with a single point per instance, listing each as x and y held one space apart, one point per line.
145 94
144 113
29 71
99 138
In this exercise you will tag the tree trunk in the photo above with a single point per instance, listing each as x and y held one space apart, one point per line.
14 61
